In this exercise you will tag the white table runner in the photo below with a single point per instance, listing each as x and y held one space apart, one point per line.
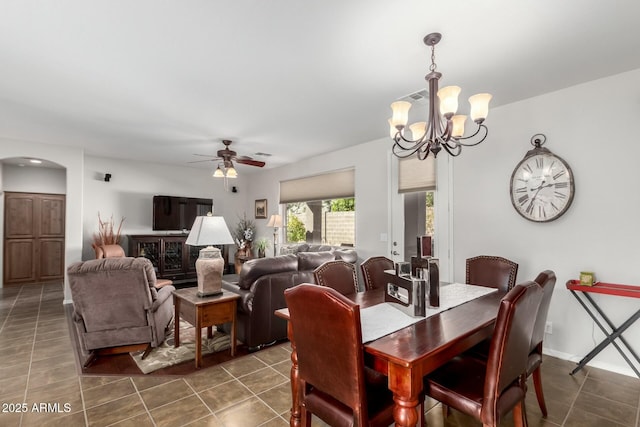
385 318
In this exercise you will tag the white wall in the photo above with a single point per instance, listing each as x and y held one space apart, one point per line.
592 127
371 183
34 179
130 193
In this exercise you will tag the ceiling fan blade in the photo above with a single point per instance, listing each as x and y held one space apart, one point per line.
250 162
207 160
211 156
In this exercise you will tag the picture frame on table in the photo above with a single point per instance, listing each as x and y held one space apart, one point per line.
261 208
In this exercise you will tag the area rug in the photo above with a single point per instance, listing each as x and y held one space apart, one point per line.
168 355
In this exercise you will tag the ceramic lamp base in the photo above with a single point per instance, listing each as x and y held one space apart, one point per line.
209 268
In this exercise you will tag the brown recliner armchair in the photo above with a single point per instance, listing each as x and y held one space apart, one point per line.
117 307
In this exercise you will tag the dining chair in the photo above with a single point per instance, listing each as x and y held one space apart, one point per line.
546 279
492 271
489 389
339 275
373 271
336 385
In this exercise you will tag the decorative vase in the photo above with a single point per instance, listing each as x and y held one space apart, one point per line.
209 266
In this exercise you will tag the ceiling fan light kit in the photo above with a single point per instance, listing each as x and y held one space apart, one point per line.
226 156
443 128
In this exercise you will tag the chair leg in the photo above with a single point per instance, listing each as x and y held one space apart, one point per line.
147 351
537 383
519 415
446 410
422 421
305 417
90 359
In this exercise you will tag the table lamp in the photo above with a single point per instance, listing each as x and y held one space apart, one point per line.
275 221
209 230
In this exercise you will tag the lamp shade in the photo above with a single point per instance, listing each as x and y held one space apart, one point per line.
209 230
449 100
400 115
479 106
275 221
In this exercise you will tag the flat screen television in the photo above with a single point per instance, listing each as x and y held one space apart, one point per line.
178 213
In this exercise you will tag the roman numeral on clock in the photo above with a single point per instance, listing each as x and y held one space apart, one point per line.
559 195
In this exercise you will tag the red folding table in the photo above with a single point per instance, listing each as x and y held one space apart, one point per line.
581 293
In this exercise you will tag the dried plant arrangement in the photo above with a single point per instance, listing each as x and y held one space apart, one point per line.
107 233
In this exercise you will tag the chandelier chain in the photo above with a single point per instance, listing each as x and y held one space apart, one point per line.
433 65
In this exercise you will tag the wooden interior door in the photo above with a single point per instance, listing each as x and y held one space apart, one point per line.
33 237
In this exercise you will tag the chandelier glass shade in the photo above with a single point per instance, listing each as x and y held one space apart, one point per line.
443 128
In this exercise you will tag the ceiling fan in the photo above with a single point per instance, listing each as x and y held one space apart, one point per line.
226 157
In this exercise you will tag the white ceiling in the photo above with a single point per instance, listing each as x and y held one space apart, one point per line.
163 80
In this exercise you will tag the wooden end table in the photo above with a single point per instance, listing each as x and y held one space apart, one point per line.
204 312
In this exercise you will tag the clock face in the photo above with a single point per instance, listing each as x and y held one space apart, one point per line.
542 187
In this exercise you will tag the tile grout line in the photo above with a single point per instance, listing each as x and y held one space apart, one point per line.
146 408
202 400
15 301
84 406
566 417
33 345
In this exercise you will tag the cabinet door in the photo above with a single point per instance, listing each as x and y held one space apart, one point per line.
172 257
148 248
51 262
20 261
34 237
52 217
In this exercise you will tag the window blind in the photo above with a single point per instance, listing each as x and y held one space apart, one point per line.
416 175
334 185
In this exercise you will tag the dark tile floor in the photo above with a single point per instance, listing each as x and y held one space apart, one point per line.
38 373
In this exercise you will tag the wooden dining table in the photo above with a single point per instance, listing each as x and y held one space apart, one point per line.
407 355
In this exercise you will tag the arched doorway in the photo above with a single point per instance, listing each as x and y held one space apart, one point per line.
33 212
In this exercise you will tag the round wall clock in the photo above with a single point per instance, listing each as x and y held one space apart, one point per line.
542 186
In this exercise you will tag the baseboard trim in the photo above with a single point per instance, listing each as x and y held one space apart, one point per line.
594 363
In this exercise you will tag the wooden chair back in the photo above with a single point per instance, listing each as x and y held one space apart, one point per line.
328 338
491 271
373 271
339 275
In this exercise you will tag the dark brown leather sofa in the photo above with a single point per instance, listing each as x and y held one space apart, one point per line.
261 286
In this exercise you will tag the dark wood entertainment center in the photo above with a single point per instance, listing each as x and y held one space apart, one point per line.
172 258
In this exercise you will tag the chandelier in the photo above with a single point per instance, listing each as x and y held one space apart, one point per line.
443 129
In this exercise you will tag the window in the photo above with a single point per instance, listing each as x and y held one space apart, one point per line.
320 209
429 214
327 222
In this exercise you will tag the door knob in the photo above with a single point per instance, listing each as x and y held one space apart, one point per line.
395 253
